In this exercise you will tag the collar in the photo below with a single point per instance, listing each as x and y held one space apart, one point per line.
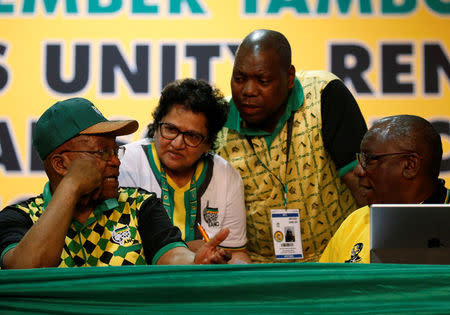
441 194
155 164
234 120
105 205
167 190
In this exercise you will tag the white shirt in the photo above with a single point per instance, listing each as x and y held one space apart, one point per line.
225 192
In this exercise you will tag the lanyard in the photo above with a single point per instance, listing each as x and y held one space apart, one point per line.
290 123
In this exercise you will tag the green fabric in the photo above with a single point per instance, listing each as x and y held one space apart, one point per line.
10 246
347 168
47 195
295 288
167 192
82 240
165 249
234 120
79 228
63 121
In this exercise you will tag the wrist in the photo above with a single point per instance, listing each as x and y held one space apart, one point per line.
69 189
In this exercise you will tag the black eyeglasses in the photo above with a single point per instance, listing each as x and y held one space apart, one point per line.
365 158
170 132
105 154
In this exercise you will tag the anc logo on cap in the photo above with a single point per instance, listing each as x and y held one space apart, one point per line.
96 110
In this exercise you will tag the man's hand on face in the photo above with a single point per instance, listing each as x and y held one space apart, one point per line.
209 253
87 175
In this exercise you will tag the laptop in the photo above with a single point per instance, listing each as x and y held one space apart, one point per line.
410 234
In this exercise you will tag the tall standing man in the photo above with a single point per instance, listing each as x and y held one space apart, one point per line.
293 139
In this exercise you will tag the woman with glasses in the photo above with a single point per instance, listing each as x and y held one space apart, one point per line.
174 161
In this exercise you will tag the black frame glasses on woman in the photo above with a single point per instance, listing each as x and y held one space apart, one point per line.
365 158
190 138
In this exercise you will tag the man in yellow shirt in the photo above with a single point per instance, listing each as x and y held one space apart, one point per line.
399 163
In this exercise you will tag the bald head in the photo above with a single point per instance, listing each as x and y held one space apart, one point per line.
263 40
262 79
411 133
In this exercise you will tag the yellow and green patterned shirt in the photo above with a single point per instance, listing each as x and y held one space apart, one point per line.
312 182
109 237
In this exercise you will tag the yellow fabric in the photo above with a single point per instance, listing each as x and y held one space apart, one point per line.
355 230
109 239
313 184
179 211
155 154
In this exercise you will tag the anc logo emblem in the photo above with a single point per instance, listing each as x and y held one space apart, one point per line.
278 236
211 215
121 235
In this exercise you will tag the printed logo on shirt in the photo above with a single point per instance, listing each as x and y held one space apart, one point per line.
211 215
121 235
357 248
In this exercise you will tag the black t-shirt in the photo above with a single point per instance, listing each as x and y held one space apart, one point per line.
343 125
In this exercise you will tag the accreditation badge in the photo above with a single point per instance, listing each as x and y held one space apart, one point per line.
287 236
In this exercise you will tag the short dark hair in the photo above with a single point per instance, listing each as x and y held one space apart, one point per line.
416 134
195 95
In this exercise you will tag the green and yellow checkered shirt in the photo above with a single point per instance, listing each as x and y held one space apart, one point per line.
109 237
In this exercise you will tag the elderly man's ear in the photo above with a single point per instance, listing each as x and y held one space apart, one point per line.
411 167
60 164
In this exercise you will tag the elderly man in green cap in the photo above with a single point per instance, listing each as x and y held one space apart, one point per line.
83 218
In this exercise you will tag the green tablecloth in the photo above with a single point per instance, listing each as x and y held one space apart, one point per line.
249 289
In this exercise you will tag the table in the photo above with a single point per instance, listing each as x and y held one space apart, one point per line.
223 289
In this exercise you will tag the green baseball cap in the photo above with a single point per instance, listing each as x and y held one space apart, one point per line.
69 118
